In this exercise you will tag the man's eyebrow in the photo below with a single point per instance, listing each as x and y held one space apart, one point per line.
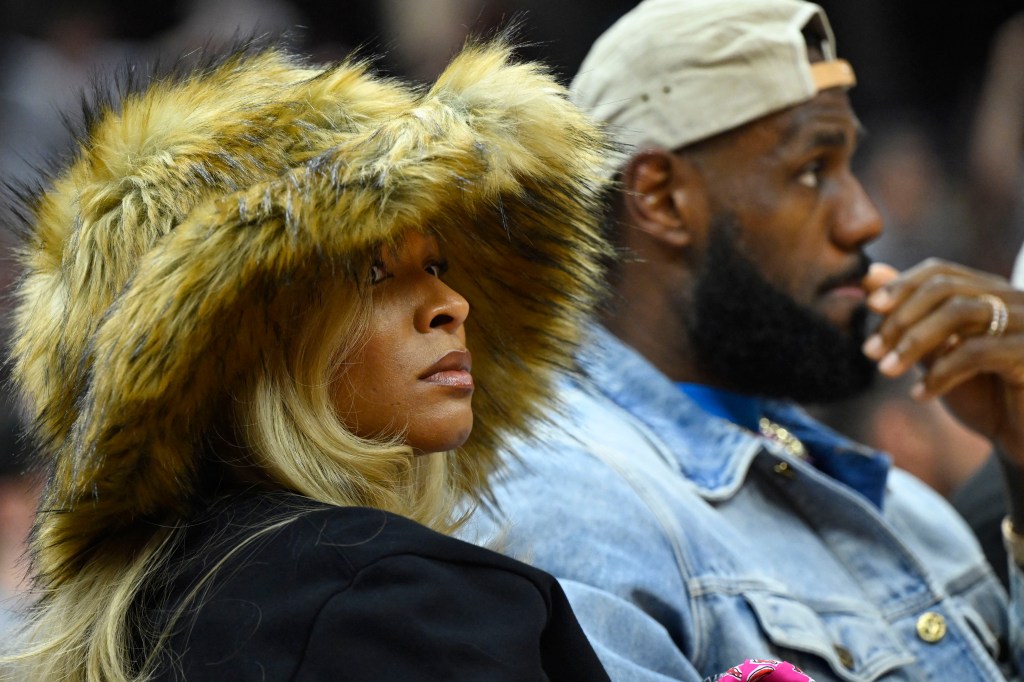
825 138
830 138
835 139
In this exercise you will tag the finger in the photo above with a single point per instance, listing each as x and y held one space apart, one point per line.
939 331
912 306
944 281
879 274
894 292
1002 357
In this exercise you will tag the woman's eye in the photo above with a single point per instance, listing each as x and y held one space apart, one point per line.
377 273
437 269
810 176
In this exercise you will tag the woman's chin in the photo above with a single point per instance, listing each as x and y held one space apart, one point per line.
430 440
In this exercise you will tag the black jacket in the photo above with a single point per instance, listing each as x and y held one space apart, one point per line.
359 594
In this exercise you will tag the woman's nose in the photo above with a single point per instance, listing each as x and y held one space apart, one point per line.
446 309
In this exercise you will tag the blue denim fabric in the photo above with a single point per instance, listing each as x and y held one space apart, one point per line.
687 544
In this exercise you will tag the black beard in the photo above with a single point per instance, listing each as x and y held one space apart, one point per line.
753 338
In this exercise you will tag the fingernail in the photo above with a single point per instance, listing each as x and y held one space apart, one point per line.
873 347
880 300
918 391
890 364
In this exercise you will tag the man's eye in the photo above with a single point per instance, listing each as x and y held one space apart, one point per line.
377 273
810 176
437 269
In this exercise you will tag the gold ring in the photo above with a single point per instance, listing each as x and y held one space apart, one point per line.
1000 315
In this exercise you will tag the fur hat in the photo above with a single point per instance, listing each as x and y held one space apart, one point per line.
205 202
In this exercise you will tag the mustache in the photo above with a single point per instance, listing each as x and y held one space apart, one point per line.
852 275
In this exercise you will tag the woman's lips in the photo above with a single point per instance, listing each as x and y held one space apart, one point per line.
453 369
454 378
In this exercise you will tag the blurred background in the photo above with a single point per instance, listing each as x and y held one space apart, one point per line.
941 93
941 90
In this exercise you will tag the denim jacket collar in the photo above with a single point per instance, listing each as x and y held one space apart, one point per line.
685 430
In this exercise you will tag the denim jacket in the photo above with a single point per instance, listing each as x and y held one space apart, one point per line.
687 544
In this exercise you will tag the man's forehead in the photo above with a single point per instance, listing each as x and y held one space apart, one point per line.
826 120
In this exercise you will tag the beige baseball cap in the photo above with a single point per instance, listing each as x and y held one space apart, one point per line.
673 72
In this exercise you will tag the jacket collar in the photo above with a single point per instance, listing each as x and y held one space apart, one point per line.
714 454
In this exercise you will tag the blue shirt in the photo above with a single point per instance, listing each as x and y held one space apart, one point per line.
687 544
864 473
742 410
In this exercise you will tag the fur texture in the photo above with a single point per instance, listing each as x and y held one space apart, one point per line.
201 213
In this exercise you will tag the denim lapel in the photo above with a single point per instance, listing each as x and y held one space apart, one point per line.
712 453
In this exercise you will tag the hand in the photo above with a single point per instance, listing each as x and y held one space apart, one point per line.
934 316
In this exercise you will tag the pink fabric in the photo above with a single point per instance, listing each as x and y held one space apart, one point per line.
762 670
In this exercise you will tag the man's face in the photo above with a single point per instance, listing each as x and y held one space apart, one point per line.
756 339
778 306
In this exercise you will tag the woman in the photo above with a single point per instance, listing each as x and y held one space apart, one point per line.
244 336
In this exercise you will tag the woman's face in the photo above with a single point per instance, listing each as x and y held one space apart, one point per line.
412 375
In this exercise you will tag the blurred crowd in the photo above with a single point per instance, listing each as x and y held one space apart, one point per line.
943 107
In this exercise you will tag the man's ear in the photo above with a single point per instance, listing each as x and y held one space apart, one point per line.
663 196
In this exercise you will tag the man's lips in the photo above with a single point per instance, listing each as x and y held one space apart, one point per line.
850 284
453 369
847 291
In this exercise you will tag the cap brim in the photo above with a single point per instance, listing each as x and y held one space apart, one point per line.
834 73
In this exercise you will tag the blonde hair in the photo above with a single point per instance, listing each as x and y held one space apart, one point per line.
292 437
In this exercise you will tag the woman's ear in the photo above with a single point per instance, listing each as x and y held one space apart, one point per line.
663 197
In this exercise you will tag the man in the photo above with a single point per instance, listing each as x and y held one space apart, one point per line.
693 513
